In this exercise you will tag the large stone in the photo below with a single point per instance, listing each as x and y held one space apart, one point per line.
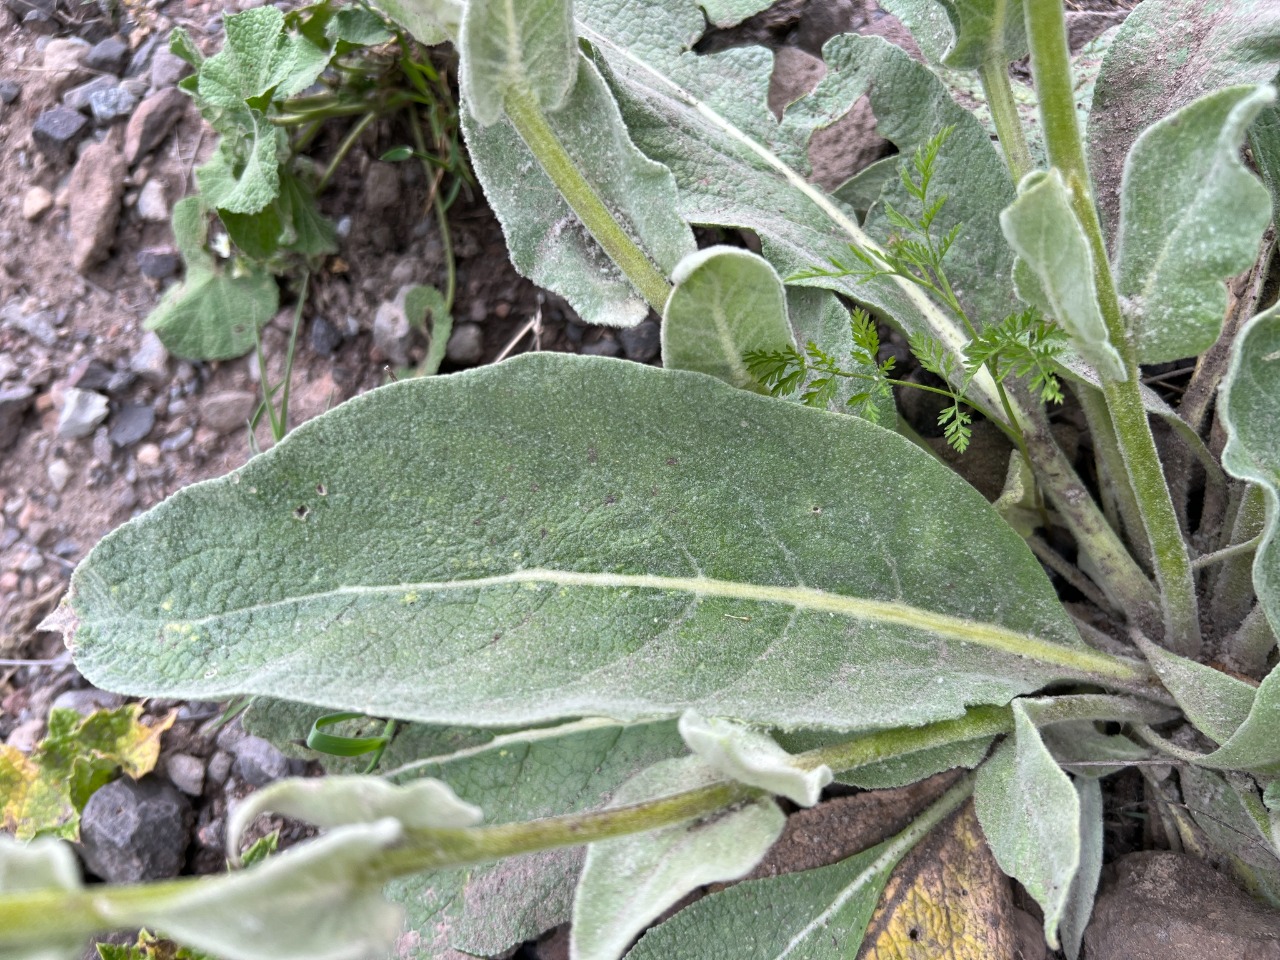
56 133
95 189
82 411
131 424
151 123
132 832
158 263
167 68
1167 906
63 63
642 342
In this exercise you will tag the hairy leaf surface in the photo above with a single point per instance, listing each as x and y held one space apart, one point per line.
1031 815
628 882
707 119
563 536
724 303
213 314
547 241
1250 408
521 46
1042 228
1191 216
516 775
1084 887
30 867
1166 54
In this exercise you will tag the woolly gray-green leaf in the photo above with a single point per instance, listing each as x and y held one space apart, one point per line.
547 241
1220 810
1250 409
243 175
752 757
1191 216
45 864
1216 703
708 120
428 21
1030 813
213 314
1043 229
586 537
1166 54
337 801
521 46
817 914
1084 887
323 907
724 303
628 882
1264 141
981 31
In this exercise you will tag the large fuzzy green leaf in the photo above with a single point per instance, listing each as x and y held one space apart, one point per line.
1084 887
817 914
707 119
1250 408
563 536
548 243
724 303
428 21
1166 54
1030 813
628 882
1191 216
516 46
524 775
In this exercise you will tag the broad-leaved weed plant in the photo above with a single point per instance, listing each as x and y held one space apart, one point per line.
621 611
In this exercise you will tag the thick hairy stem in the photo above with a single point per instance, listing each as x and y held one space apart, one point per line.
994 74
529 121
1050 62
1113 567
1111 477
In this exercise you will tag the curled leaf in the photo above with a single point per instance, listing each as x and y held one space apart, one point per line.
753 758
338 801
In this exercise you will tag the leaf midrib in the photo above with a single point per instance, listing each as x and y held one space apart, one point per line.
803 598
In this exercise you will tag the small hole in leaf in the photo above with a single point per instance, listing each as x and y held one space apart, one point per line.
322 489
302 511
914 933
815 510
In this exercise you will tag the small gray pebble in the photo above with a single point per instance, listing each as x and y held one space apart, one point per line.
258 762
231 734
642 342
466 344
325 338
9 91
177 441
86 701
186 773
109 55
219 767
131 424
158 263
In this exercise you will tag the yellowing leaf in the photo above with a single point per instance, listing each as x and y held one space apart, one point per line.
44 793
947 898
